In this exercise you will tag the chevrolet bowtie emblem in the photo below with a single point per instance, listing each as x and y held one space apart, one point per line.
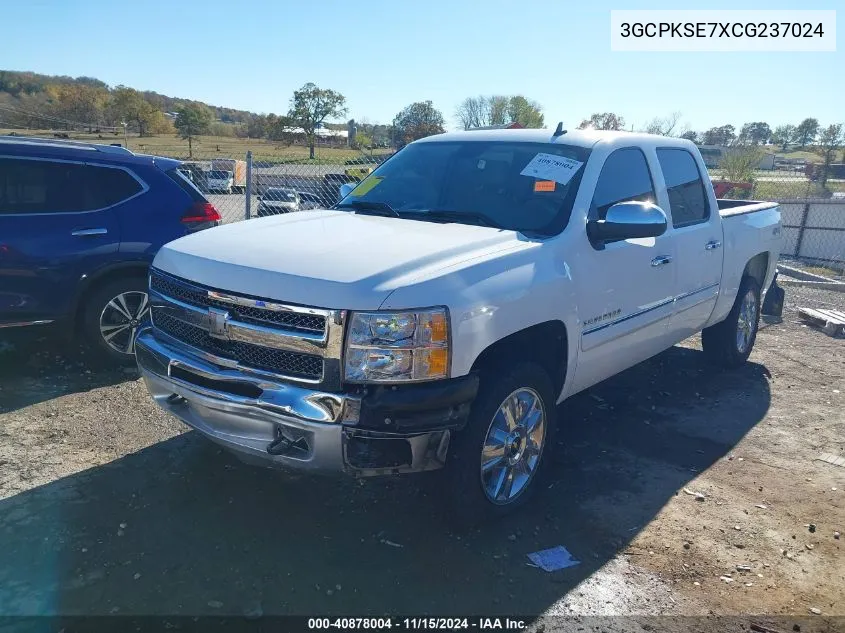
217 323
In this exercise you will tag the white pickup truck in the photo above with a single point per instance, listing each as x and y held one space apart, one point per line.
440 313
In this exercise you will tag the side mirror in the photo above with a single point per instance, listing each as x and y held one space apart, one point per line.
628 220
346 188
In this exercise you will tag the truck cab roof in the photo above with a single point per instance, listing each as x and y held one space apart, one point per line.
577 138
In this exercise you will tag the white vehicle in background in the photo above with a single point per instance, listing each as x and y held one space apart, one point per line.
277 200
219 181
236 167
444 309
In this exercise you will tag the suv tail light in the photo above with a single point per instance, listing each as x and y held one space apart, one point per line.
201 213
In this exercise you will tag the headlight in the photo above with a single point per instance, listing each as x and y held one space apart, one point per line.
397 346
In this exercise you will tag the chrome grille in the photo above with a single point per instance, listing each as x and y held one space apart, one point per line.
258 336
254 356
198 296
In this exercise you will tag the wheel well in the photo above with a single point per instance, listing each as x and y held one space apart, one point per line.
544 343
756 268
98 280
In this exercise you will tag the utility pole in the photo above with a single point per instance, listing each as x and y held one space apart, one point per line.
125 137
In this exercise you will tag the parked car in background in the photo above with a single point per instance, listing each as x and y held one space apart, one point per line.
440 313
79 226
310 201
237 169
277 200
219 181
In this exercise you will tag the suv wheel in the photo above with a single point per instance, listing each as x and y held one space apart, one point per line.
112 315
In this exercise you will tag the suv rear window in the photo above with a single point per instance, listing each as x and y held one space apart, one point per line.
185 184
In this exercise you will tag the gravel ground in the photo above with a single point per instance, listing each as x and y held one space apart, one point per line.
109 506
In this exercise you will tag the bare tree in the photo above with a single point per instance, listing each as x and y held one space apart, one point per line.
482 111
663 126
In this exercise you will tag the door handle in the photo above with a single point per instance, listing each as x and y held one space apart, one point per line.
661 261
85 232
712 245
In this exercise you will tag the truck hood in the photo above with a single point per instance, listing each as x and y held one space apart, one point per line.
328 259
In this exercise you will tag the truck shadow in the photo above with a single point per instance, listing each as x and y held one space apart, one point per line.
38 364
181 528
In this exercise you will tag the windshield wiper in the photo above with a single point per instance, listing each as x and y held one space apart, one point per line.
377 208
461 216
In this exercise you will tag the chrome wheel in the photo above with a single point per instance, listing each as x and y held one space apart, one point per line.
746 322
513 446
120 318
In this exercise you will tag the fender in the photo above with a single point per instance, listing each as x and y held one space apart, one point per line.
91 279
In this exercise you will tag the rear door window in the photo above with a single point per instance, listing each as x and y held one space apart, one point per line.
624 177
109 185
688 202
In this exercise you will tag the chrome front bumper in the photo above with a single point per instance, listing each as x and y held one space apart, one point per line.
246 413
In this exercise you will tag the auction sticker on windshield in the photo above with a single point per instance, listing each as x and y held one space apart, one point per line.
551 167
365 185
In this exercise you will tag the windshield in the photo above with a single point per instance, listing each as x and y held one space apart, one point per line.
219 175
516 186
282 195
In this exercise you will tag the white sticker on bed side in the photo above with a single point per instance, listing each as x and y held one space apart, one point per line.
551 167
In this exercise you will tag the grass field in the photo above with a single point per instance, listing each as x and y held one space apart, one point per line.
207 147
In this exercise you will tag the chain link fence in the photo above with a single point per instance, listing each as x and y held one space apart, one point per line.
285 179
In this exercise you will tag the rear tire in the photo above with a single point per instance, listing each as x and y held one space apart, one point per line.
728 344
110 318
506 440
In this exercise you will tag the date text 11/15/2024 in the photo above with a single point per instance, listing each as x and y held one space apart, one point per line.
418 624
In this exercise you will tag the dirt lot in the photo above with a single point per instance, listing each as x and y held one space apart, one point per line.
108 506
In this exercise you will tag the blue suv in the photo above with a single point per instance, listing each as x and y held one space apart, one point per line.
80 224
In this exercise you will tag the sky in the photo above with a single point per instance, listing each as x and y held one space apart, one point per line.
385 55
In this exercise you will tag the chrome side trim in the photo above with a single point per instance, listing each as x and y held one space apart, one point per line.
25 323
628 317
634 315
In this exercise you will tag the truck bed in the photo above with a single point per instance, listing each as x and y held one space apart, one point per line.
729 207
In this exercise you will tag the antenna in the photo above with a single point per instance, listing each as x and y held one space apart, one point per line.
559 131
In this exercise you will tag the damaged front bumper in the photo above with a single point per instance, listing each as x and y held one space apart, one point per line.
379 430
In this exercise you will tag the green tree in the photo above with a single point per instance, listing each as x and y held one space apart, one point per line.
690 135
129 106
830 138
80 104
416 121
310 106
806 131
784 135
757 133
738 164
603 121
722 135
528 113
192 120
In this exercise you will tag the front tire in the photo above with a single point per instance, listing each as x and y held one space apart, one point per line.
728 344
496 462
111 317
